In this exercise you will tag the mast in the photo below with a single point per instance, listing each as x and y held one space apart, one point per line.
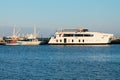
13 30
35 34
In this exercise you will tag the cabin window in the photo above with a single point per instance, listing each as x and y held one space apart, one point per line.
88 35
83 35
65 40
72 40
60 40
68 35
56 40
79 40
79 35
83 40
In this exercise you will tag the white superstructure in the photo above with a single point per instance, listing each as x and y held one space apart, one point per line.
80 36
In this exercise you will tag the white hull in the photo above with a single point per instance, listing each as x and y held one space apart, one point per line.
24 43
28 43
79 41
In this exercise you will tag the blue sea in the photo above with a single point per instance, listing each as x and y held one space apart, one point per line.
51 62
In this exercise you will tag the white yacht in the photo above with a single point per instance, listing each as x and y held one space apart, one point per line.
30 40
79 36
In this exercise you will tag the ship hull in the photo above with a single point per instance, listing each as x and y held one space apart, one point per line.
24 43
79 43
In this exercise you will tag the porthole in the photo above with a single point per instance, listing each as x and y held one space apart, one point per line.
72 40
83 40
56 40
60 40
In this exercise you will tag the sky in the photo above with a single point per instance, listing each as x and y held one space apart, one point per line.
50 15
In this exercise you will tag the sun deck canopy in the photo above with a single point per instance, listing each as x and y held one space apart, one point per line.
75 30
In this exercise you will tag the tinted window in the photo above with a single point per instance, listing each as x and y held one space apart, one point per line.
83 40
68 35
72 40
88 35
78 35
82 35
60 40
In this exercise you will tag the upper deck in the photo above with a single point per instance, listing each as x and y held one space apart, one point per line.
78 32
74 30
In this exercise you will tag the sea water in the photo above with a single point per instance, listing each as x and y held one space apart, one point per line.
50 62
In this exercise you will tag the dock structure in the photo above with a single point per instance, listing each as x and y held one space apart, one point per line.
115 40
2 41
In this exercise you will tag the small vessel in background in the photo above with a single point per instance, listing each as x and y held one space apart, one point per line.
80 36
2 42
11 40
30 39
